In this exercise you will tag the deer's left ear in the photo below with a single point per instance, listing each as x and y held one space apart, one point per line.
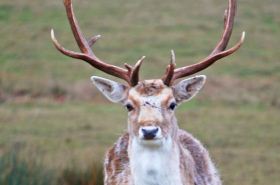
113 91
186 89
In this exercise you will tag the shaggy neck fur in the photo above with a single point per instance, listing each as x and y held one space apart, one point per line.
155 164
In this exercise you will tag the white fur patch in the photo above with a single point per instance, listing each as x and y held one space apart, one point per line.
155 165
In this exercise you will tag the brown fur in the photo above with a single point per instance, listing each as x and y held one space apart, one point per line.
150 87
117 162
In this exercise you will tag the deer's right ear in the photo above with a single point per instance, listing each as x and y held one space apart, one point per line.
113 91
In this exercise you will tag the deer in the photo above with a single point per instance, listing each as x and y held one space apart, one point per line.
154 150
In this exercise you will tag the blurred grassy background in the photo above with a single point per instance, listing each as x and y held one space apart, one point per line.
54 125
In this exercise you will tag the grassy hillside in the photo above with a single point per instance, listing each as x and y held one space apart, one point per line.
54 125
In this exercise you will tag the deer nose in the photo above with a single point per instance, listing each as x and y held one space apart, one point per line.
149 133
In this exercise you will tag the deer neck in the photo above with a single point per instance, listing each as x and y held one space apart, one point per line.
155 165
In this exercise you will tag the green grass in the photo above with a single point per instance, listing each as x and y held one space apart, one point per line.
63 126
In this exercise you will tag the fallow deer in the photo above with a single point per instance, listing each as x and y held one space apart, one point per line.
154 151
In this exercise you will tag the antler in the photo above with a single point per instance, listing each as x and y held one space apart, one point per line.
218 52
130 74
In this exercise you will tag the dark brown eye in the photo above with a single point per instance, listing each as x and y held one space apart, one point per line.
129 107
172 106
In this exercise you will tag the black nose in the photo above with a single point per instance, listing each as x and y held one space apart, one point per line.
149 133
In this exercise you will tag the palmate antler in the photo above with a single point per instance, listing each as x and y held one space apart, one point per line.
129 74
218 52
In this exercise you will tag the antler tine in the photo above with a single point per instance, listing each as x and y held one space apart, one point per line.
225 18
192 69
167 78
93 40
219 51
79 37
87 54
134 77
228 26
64 51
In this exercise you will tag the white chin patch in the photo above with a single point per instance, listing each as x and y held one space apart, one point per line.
151 143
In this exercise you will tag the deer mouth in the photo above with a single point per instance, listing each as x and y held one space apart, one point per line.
149 138
152 142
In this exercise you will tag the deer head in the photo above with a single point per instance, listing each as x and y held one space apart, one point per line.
150 103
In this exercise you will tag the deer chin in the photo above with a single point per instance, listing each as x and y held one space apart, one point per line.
156 142
152 144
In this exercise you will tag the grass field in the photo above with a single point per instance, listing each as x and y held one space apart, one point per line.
55 126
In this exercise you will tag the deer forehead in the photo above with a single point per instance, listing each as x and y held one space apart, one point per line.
151 93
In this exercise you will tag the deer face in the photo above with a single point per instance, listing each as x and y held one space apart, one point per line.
150 105
151 109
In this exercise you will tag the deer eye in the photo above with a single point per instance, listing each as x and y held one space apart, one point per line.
172 106
129 107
